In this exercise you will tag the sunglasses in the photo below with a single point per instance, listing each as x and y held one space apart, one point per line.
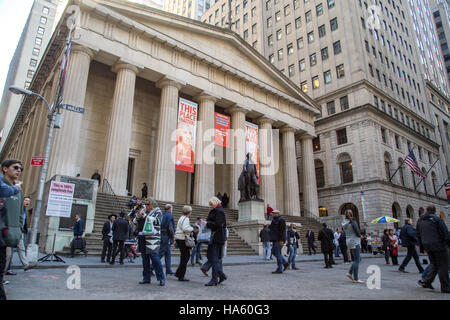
147 204
18 168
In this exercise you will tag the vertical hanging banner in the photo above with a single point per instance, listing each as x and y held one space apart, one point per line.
251 143
221 130
186 134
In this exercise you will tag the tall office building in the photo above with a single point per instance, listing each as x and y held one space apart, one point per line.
361 61
441 16
193 9
30 48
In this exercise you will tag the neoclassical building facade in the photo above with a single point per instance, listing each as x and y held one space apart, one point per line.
129 65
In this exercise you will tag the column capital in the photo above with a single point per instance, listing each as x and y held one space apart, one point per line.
263 120
119 65
235 108
305 136
165 81
82 49
205 97
286 128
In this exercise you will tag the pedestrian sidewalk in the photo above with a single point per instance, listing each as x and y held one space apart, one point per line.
94 262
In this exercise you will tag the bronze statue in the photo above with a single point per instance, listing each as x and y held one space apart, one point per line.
248 180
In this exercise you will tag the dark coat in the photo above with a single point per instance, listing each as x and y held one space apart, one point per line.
78 228
217 223
310 237
144 192
408 236
168 224
433 233
292 238
120 230
342 240
278 229
326 240
106 229
264 234
96 176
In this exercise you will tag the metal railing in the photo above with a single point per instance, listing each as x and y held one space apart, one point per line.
107 189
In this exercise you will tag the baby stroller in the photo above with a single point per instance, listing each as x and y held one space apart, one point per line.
130 249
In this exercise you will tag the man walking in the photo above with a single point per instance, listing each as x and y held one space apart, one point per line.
311 239
343 245
78 242
434 236
167 236
410 241
107 238
264 234
120 234
278 237
326 240
292 245
21 246
336 243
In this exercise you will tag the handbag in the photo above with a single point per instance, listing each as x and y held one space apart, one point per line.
189 242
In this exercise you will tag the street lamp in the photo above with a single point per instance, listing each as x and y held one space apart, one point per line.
32 248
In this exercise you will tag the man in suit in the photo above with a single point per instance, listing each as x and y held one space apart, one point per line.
107 238
120 234
326 240
311 239
78 230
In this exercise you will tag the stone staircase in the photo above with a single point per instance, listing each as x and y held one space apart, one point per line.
107 204
306 224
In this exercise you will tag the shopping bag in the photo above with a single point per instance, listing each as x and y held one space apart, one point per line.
204 235
149 227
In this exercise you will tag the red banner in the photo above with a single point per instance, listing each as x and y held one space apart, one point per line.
222 130
186 130
37 161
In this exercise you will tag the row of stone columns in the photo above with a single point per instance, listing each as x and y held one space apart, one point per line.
66 143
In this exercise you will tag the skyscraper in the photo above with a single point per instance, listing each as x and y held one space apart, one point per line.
193 9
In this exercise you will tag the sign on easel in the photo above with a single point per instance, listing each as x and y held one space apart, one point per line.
60 199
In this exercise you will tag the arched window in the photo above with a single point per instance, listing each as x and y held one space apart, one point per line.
346 167
433 181
320 173
400 172
323 212
387 165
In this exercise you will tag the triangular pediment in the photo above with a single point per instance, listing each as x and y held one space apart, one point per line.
222 46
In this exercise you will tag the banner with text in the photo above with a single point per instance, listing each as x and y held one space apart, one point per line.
222 130
186 131
251 143
60 199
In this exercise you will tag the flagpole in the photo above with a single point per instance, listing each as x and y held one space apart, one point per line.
445 182
390 179
426 174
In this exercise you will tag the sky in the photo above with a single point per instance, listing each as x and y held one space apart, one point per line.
13 15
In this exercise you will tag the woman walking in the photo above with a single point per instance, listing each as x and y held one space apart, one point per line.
217 223
353 243
386 245
183 230
393 247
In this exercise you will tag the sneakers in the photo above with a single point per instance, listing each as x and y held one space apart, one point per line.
10 273
424 285
5 282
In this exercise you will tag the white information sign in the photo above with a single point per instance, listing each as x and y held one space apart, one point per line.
60 199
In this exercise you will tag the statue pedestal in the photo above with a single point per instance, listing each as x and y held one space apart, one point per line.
250 210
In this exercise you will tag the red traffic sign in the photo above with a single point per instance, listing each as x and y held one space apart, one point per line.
37 161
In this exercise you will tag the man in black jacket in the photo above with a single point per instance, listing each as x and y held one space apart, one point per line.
326 240
78 242
435 239
409 240
311 239
120 234
106 237
264 234
278 237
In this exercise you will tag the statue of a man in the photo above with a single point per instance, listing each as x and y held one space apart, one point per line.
248 180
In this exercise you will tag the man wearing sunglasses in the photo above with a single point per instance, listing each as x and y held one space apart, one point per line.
12 222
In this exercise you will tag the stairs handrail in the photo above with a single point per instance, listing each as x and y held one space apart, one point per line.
106 188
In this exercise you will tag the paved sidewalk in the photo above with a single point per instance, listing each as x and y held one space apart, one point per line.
94 262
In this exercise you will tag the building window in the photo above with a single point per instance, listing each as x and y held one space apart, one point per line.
327 76
308 16
383 135
35 51
290 49
245 34
316 143
319 9
331 109
45 10
340 73
346 167
245 18
43 20
320 176
287 10
296 4
288 28
302 65
337 47
269 22
238 8
315 82
33 63
272 58
397 141
387 166
333 24
270 40
279 34
344 103
280 54
30 73
291 70
254 29
38 41
311 37
40 30
322 31
298 22
27 84
255 44
278 16
330 4
324 53
341 136
304 86
300 43
312 59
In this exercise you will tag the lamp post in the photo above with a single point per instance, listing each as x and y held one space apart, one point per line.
32 248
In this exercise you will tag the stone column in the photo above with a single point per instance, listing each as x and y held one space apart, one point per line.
310 199
267 164
164 177
204 186
120 125
291 190
67 138
237 151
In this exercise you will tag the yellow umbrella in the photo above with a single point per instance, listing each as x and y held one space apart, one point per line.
384 219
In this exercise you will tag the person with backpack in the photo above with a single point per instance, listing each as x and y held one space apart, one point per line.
410 241
434 237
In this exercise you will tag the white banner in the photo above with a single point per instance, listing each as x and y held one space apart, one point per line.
60 199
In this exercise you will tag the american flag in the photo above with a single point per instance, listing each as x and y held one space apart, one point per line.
412 163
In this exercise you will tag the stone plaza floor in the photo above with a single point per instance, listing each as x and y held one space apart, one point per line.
249 278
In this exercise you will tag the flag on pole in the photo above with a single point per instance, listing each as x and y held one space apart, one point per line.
412 163
64 67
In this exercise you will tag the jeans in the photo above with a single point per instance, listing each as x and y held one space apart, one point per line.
22 251
184 258
425 272
292 254
164 250
107 250
354 268
208 264
120 245
2 272
196 253
155 263
412 253
214 255
336 251
267 249
280 259
438 266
